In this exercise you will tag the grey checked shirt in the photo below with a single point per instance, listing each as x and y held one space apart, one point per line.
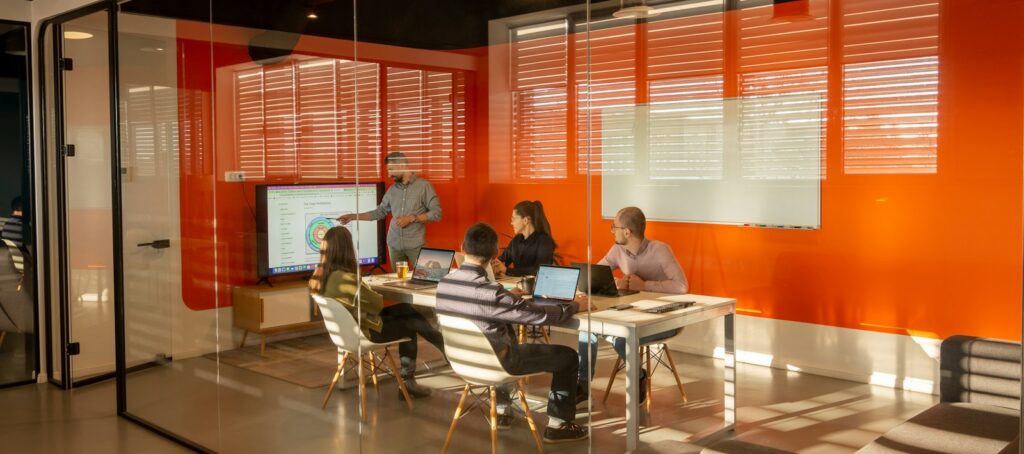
412 198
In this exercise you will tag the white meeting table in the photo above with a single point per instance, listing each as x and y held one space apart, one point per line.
630 324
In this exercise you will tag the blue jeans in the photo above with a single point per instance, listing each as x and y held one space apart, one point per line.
588 349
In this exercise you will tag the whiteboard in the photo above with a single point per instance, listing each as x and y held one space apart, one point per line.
748 160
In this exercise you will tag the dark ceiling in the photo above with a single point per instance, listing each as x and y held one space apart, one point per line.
423 24
13 62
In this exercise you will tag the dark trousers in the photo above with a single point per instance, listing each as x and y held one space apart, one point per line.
560 361
402 320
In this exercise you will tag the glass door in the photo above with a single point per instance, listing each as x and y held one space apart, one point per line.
84 221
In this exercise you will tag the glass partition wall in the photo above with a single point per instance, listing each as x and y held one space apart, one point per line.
19 352
783 154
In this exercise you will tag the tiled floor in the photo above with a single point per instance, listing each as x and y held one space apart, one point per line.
234 410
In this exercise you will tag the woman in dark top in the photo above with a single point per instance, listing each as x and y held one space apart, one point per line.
336 277
532 245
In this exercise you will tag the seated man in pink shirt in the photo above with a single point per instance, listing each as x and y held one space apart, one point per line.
647 265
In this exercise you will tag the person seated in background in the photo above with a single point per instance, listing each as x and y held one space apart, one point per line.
336 277
469 294
647 265
531 247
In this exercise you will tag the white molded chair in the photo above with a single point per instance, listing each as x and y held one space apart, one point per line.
662 356
350 341
472 358
17 258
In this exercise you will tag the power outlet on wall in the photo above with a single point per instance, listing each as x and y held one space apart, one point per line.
234 176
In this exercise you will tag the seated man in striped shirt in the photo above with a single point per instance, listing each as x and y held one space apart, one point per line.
468 293
647 265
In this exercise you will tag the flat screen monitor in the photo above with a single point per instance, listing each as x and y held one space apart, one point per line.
293 219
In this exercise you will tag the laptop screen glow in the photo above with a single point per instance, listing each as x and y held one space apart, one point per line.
556 282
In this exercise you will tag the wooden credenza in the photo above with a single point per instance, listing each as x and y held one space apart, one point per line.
264 310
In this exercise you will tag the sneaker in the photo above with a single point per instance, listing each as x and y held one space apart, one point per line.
504 422
565 433
415 391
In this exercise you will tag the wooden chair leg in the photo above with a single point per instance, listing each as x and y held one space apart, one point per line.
615 371
455 420
263 345
647 353
544 332
373 371
362 393
398 377
494 420
529 419
522 334
245 334
334 382
675 372
3 334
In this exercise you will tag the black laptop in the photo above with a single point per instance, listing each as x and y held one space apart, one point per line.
431 266
602 282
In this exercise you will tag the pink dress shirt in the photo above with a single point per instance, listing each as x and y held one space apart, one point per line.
654 263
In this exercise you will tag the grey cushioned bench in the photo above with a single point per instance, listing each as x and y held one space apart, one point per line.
979 408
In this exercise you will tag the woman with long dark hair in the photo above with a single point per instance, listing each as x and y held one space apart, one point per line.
532 246
336 277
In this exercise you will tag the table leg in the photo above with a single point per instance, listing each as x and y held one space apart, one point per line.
632 391
730 372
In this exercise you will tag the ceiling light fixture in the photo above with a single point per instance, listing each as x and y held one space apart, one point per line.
311 15
77 35
636 11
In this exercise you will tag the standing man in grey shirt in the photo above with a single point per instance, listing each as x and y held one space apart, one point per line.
412 203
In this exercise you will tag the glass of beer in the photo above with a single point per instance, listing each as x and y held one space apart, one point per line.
402 268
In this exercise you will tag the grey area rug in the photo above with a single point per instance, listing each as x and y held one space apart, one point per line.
308 361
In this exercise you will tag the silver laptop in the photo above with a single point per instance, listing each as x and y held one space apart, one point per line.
555 284
431 266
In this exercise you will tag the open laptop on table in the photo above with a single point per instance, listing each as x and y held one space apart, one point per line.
431 266
601 281
555 284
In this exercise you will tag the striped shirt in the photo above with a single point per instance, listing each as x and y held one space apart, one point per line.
468 293
13 231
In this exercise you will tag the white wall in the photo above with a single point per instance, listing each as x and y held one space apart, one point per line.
890 360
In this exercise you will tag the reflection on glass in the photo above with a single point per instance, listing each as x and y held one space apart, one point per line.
890 87
302 118
17 216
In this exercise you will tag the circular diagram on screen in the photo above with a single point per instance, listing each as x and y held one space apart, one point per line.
316 229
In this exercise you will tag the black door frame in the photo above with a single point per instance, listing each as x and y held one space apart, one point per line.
55 24
29 216
120 373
